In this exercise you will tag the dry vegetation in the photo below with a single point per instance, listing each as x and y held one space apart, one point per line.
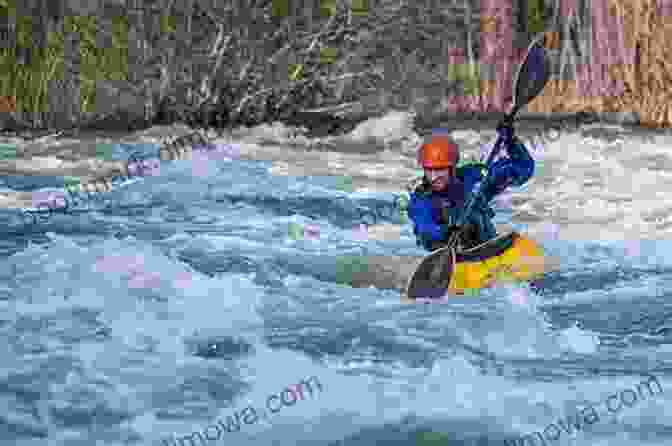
631 64
207 63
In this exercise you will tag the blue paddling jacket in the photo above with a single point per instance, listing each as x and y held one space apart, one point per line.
435 214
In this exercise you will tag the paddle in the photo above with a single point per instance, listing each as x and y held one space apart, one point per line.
432 276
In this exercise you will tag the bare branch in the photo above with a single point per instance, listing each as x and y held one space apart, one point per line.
218 53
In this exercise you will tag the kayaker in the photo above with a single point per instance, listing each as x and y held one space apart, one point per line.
438 198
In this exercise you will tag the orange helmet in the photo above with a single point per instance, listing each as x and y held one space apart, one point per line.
440 152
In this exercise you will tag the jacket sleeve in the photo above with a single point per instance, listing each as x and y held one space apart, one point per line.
516 170
424 227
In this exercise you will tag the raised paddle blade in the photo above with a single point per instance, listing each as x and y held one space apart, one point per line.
532 75
432 277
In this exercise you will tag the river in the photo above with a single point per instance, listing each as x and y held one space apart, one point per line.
179 299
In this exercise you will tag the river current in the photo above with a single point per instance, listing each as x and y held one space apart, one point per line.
180 299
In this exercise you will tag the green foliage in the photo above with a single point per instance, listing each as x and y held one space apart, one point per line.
280 8
360 7
469 74
29 82
99 63
471 86
535 16
295 72
328 55
327 8
168 24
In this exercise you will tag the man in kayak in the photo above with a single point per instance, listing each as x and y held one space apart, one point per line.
438 198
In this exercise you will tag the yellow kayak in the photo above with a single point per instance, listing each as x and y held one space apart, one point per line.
508 257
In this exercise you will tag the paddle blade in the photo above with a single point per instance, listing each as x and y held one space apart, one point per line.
532 75
432 277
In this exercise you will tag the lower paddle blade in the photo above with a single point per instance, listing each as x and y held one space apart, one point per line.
432 277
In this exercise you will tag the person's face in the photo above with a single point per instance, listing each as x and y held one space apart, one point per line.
440 178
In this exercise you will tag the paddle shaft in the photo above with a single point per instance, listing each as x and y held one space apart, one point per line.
477 192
